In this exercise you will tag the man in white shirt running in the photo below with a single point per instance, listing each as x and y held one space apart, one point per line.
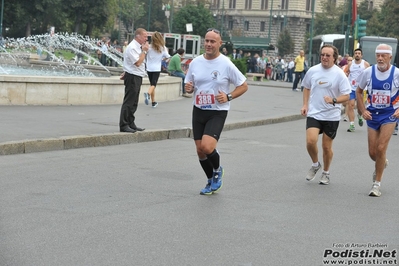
326 87
209 78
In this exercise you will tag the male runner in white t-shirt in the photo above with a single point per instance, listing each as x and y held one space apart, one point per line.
326 87
209 77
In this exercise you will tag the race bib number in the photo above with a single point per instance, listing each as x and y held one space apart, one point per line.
205 101
381 99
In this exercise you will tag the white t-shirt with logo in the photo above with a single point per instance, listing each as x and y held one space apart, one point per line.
325 82
210 77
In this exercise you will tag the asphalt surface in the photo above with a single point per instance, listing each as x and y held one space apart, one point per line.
139 204
27 129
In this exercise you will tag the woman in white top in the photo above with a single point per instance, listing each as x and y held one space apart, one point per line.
156 53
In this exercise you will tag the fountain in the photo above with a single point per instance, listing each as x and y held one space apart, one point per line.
33 71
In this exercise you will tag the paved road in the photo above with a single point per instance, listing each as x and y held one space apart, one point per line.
26 129
139 204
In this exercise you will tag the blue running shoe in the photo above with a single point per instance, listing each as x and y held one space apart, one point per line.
217 181
146 98
207 189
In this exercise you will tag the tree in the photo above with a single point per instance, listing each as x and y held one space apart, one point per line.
199 16
285 43
157 17
384 23
130 12
329 21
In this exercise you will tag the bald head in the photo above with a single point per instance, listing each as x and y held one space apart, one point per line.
212 43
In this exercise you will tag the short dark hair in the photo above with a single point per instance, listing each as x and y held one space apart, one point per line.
180 51
358 49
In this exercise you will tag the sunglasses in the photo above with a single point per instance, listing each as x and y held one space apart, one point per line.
325 55
214 30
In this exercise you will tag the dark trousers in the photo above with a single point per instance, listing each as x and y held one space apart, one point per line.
298 76
289 75
131 100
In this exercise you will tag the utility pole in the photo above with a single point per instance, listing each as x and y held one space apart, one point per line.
222 19
149 16
270 26
1 18
171 16
310 61
348 28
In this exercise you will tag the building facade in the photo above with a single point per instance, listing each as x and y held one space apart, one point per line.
267 18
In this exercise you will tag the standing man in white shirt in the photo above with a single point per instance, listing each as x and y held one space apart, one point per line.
326 87
134 67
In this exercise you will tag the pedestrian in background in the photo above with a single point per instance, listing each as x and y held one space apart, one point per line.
156 53
174 68
134 71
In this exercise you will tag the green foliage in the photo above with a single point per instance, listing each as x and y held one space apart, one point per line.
240 64
199 16
385 22
153 14
379 22
285 43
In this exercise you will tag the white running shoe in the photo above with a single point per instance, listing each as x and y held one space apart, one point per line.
324 179
375 191
312 172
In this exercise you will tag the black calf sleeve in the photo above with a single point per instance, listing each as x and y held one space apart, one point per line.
214 158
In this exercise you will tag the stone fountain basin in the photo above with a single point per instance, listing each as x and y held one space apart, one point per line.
54 90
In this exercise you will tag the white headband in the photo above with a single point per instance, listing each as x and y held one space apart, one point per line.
379 51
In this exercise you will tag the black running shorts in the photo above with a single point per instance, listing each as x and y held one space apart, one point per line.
208 122
153 77
327 127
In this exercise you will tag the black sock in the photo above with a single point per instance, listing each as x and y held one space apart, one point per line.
214 158
207 167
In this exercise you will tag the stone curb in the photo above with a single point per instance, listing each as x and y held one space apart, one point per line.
99 140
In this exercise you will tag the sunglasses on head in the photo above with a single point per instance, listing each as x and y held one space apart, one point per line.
214 30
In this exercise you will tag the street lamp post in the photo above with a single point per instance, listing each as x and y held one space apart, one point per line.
149 16
270 24
348 30
1 18
222 20
311 35
171 16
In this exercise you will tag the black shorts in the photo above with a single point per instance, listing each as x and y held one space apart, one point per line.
208 122
153 77
327 127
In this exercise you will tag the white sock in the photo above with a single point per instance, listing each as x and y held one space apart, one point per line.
315 164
